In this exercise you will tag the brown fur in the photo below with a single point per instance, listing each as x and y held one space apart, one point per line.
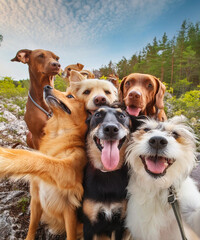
144 91
43 65
56 171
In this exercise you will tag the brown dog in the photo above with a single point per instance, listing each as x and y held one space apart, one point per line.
43 65
143 95
79 68
56 172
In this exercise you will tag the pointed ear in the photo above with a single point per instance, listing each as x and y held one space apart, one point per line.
160 94
75 76
22 56
80 66
121 86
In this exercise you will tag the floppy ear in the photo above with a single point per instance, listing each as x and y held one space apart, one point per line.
160 94
80 66
22 56
121 86
75 76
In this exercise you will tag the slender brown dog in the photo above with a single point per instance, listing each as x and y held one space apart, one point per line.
143 94
43 66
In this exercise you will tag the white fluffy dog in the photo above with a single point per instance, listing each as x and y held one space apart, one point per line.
162 154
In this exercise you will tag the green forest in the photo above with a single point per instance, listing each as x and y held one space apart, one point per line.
175 61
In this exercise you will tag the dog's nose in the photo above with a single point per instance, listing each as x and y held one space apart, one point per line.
134 94
110 129
55 64
47 87
99 100
158 142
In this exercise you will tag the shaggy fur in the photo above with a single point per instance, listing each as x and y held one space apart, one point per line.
161 155
55 173
106 176
93 92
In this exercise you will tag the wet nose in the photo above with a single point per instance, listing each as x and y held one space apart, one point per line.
99 100
110 130
158 142
134 94
47 87
55 64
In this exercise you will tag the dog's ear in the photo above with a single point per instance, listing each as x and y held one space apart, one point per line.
136 122
23 56
80 66
87 121
160 94
121 86
75 76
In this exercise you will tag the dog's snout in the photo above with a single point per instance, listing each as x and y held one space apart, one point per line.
134 94
158 142
47 87
110 129
99 100
55 64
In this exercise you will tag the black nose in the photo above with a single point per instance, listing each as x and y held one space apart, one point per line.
158 142
55 64
110 130
47 87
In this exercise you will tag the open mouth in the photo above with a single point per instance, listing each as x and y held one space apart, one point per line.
110 152
156 165
132 110
51 99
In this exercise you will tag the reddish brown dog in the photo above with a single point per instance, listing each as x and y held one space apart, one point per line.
43 65
143 95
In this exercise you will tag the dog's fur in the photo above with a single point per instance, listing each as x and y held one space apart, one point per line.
93 92
143 94
161 155
106 175
55 174
43 66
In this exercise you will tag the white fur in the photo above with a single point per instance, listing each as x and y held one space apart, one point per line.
149 215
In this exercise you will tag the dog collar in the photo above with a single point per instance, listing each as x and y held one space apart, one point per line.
49 115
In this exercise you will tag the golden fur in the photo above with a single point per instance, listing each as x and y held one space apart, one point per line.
94 92
55 173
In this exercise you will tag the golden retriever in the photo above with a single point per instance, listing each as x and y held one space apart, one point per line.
94 92
55 173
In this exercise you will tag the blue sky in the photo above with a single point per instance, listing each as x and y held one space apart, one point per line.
91 32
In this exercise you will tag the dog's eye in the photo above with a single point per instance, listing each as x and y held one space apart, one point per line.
69 69
146 129
97 115
57 58
41 55
86 92
127 84
175 135
70 96
150 85
121 116
107 92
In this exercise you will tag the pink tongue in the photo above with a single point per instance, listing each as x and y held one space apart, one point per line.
156 167
133 111
110 155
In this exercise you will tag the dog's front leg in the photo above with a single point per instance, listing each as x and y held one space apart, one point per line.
36 211
70 218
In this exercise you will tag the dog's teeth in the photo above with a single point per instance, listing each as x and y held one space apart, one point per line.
102 142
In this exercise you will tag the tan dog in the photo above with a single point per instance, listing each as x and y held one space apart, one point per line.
93 92
43 66
77 67
55 174
143 94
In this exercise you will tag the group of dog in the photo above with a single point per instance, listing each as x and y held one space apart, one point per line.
108 158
